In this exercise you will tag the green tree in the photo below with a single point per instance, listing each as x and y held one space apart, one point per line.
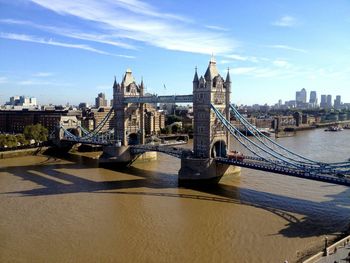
36 132
11 141
3 140
21 139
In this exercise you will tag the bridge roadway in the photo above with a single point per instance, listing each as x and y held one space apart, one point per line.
88 141
160 99
163 148
254 163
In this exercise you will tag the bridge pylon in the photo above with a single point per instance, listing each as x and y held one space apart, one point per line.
129 120
210 138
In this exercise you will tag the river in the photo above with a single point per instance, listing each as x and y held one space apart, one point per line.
71 210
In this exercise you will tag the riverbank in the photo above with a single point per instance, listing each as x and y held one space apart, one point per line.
23 152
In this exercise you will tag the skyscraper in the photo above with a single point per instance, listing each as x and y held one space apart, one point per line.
337 102
329 101
323 103
300 96
101 101
313 98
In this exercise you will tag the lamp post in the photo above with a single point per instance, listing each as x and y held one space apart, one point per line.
325 252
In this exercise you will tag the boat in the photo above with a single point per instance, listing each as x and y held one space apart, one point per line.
334 128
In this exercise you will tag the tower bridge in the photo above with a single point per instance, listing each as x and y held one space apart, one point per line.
209 159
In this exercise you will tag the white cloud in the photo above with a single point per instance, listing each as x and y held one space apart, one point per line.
43 74
3 80
286 21
72 33
36 82
242 58
136 21
40 40
281 63
218 28
287 48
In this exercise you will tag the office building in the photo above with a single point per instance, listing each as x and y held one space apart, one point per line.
329 101
323 103
337 102
101 101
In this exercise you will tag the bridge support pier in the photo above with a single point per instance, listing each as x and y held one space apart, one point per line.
204 170
121 155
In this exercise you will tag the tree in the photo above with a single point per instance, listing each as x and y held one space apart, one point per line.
11 141
21 139
36 132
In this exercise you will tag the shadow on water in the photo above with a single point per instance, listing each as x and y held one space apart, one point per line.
319 218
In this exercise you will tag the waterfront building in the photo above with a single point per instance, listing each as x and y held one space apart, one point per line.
100 100
154 121
14 121
93 117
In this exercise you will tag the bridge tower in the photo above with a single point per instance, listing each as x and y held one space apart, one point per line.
129 127
210 138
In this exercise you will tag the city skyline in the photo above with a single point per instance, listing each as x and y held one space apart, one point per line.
69 52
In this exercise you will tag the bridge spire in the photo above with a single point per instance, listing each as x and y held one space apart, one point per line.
228 78
195 79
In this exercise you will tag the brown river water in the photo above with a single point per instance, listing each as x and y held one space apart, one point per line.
70 210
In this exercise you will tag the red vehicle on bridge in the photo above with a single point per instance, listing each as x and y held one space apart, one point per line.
234 155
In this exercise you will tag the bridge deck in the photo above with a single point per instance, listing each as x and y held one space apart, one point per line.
163 148
256 165
160 99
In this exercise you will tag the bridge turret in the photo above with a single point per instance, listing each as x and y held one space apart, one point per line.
195 78
210 139
129 116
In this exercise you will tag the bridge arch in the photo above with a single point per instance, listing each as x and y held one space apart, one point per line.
218 149
74 131
133 139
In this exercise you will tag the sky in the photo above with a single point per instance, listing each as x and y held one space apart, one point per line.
64 51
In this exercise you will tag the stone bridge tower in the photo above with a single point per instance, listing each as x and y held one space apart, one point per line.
210 138
129 127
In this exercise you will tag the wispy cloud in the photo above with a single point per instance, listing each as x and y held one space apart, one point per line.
286 21
242 58
218 28
133 20
285 47
40 40
281 63
39 82
43 74
72 33
3 80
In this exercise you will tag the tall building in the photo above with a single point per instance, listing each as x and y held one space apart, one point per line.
313 97
337 102
323 103
300 96
329 101
101 101
22 101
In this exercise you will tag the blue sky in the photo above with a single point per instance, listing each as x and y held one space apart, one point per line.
68 51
